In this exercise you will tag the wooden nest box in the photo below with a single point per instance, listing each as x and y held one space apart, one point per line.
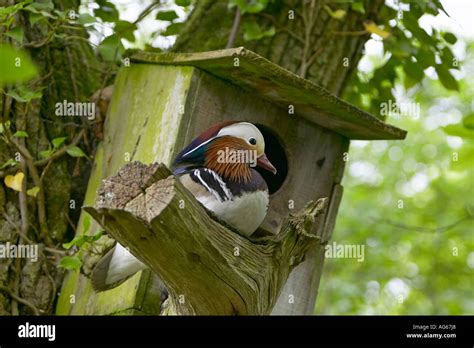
162 101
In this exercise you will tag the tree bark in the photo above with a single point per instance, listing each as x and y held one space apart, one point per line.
69 71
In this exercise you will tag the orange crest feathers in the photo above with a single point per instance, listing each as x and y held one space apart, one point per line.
225 157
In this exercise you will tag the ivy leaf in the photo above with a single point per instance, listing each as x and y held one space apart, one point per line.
14 181
252 31
86 224
10 162
111 48
446 79
23 94
43 6
35 18
76 241
33 191
94 237
85 18
20 134
358 7
15 66
70 262
16 34
9 10
75 151
57 142
167 16
46 153
107 12
125 29
173 29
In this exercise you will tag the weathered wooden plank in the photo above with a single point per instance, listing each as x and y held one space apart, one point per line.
142 124
253 72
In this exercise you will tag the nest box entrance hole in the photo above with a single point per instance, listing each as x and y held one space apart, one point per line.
277 155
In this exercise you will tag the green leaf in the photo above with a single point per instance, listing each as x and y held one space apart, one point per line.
183 3
20 134
9 10
425 58
450 38
107 12
75 151
446 79
10 162
57 142
414 71
468 121
70 262
358 7
42 6
94 237
111 49
33 191
85 18
35 18
16 34
125 29
23 94
46 153
255 6
86 224
76 241
173 29
166 16
15 66
458 131
4 125
448 58
252 31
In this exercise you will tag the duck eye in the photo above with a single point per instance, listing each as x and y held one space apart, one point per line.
252 141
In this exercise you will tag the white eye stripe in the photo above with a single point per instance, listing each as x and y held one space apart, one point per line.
244 131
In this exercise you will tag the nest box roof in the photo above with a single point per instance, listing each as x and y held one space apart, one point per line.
282 87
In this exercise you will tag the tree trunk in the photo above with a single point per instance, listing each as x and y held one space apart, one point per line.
68 71
309 42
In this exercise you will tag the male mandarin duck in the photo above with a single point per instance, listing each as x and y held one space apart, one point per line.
218 169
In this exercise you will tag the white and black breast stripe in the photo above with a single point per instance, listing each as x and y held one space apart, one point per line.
213 183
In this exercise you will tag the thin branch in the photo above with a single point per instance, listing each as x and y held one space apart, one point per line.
20 300
235 28
420 228
350 33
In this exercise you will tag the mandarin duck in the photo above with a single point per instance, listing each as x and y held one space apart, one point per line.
218 168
